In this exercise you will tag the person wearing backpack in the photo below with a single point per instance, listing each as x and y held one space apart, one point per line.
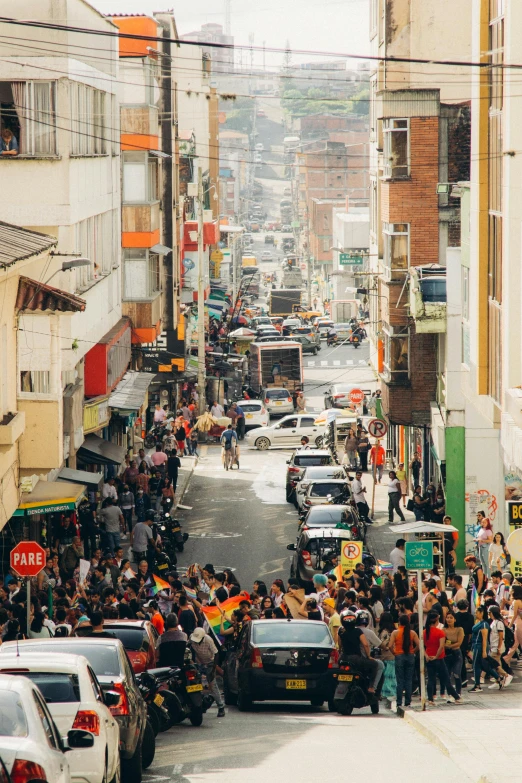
497 640
229 443
480 649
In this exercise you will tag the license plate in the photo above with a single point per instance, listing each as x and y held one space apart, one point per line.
176 529
345 677
192 688
250 415
279 403
296 685
158 700
162 567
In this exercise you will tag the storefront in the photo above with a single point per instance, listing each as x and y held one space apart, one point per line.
101 455
128 404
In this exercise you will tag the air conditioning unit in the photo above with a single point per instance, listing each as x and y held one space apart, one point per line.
192 189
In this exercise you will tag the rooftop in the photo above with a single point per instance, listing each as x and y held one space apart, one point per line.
19 244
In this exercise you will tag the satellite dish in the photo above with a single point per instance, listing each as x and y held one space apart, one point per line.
514 544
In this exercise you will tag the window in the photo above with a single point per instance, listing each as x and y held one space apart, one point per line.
55 687
13 722
396 148
326 244
307 422
288 424
47 722
28 111
97 238
141 274
88 125
140 178
396 354
396 256
35 381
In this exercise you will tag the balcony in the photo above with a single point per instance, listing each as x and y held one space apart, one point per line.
139 127
12 427
141 218
428 298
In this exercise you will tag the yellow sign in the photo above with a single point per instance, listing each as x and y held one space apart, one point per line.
217 255
351 554
96 415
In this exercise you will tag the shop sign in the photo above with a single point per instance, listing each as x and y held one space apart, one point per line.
96 415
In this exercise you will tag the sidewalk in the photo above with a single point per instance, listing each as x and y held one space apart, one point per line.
482 736
188 465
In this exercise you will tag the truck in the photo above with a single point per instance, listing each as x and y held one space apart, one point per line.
343 310
278 364
292 276
248 261
283 300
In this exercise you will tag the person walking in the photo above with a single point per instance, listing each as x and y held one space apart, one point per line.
377 456
358 496
181 435
205 654
300 402
434 644
401 476
454 640
363 447
404 644
127 508
415 467
483 540
173 466
394 497
515 622
480 650
350 448
110 519
389 683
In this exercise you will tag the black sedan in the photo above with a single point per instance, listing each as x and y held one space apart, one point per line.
281 660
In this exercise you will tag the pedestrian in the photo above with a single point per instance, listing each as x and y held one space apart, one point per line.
205 653
142 505
480 650
497 646
194 441
159 414
127 508
88 528
167 495
159 458
300 402
454 640
130 475
110 519
142 479
277 592
142 539
415 467
477 580
404 643
377 455
363 447
483 540
358 496
497 554
419 503
70 558
389 683
350 449
434 645
109 490
397 555
217 410
515 621
394 497
334 620
401 476
173 466
181 435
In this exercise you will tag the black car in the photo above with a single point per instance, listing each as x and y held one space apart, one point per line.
281 660
113 669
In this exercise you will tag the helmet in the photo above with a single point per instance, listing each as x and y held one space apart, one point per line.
362 617
347 616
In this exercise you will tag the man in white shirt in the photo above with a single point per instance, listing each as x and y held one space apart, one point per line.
397 555
217 410
358 495
159 414
109 490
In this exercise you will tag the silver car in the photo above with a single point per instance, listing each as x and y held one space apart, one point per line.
278 401
313 474
318 491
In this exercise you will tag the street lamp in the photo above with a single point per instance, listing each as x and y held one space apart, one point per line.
73 264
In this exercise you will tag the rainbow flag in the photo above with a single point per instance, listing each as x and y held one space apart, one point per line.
191 593
213 613
156 585
475 597
384 565
337 572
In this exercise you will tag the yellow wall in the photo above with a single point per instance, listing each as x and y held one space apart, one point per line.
41 447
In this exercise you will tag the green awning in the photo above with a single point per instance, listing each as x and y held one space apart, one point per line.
50 496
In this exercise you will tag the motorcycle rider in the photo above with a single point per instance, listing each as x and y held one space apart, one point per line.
172 643
355 649
331 335
358 332
206 654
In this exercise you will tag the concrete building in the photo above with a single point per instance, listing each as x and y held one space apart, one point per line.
58 96
213 33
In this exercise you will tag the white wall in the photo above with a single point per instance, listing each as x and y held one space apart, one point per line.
193 106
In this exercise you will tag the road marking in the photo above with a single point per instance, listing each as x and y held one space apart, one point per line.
324 364
349 361
310 364
337 363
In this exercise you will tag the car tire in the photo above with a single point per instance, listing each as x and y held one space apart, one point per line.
131 769
154 722
149 746
289 494
244 702
319 442
314 352
262 444
229 697
317 702
196 717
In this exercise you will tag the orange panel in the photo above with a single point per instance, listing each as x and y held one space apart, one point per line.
140 238
181 329
144 335
136 25
164 368
138 142
380 356
179 363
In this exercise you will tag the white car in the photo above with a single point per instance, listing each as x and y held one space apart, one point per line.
76 701
266 255
278 401
260 146
30 743
288 432
343 331
256 415
323 326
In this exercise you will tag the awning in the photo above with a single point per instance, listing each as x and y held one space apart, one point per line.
18 244
50 496
423 527
92 480
162 250
96 451
130 393
34 296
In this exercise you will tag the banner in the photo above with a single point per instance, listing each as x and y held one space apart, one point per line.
294 602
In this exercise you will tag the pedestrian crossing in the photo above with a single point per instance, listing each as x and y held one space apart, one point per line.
336 363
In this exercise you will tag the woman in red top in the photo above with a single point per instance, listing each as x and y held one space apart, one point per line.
434 643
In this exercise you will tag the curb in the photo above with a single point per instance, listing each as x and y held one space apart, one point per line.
409 717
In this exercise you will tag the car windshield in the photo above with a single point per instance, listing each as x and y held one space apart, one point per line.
250 408
323 490
323 473
328 514
131 638
103 658
290 633
13 722
56 688
325 324
277 394
342 388
303 460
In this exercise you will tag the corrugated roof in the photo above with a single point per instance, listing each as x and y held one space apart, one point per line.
130 393
18 244
33 295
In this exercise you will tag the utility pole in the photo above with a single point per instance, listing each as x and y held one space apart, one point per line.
202 375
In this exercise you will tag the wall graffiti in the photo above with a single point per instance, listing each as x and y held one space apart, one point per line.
480 500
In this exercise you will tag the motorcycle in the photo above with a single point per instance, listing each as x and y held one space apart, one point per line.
355 340
170 530
183 691
158 715
154 436
331 339
351 692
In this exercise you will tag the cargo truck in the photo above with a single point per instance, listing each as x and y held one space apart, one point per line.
276 365
248 261
283 300
343 310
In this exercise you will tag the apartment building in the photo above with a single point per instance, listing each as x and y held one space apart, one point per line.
419 152
58 97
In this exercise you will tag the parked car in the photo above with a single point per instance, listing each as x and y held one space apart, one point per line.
308 331
308 346
30 743
269 239
278 401
277 322
303 459
75 700
312 474
256 415
260 320
287 432
112 667
140 638
313 552
281 660
320 490
330 516
286 228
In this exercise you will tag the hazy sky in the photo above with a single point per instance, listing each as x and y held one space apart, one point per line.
324 25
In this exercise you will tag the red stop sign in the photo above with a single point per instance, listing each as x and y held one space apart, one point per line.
356 396
27 558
